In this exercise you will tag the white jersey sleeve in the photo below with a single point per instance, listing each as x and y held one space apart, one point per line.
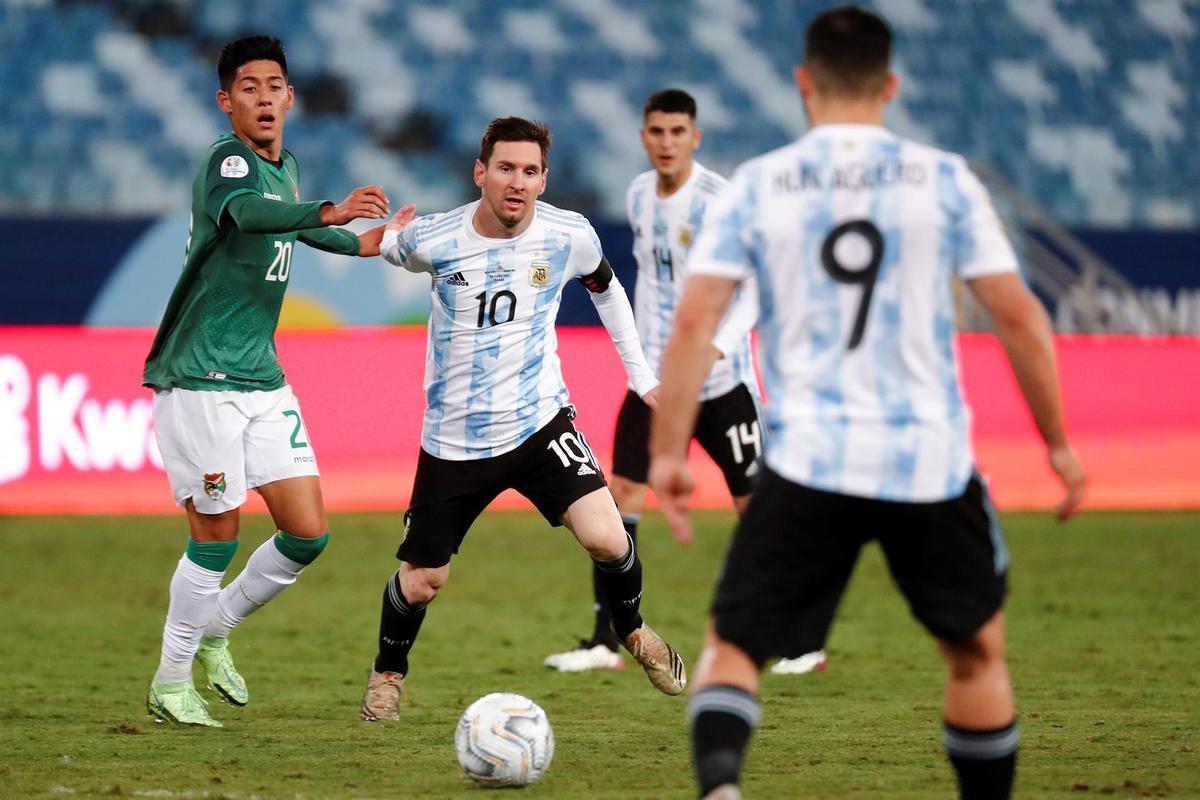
723 248
983 247
399 248
612 304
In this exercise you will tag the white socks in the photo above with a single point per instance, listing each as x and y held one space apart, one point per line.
267 573
193 600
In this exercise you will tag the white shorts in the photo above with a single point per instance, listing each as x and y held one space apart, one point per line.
217 445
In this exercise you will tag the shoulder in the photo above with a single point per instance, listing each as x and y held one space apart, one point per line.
788 154
229 145
562 219
944 160
640 188
231 157
572 224
958 187
641 183
709 184
433 228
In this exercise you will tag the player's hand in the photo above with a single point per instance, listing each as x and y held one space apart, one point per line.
369 241
1070 472
650 398
367 202
401 218
673 484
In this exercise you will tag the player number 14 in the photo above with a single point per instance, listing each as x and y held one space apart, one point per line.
742 435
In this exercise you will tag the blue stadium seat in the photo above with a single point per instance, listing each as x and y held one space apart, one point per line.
1067 69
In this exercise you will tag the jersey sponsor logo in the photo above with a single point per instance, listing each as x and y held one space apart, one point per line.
213 375
214 484
584 469
270 196
234 167
457 279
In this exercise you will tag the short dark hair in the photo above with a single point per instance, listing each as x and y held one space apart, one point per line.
670 101
847 51
247 49
514 129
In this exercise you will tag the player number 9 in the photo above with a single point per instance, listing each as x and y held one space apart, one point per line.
865 275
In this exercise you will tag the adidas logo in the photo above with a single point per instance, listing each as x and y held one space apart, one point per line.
584 469
457 279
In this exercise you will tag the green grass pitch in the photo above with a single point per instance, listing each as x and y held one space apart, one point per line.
1104 645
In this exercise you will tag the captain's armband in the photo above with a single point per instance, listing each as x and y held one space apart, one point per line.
598 280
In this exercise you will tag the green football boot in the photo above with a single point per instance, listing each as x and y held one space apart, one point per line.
179 702
223 677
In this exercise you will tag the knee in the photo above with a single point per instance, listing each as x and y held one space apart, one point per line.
630 497
611 547
421 585
300 547
971 659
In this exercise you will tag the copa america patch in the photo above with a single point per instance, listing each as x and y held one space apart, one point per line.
234 167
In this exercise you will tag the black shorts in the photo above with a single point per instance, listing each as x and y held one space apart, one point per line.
727 428
553 468
795 547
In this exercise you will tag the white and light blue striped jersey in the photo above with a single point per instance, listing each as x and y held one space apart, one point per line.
853 234
492 373
664 231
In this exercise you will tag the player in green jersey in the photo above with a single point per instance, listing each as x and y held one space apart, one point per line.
225 418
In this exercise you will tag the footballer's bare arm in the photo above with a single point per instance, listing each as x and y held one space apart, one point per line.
1024 330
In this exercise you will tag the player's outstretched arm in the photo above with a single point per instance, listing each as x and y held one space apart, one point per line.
686 363
369 241
348 243
612 304
1024 329
368 202
253 213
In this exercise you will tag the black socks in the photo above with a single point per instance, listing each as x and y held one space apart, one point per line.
984 760
602 633
621 582
398 626
722 717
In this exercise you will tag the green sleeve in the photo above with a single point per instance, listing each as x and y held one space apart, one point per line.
232 171
255 214
331 240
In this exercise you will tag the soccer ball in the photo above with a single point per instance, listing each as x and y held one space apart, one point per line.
504 739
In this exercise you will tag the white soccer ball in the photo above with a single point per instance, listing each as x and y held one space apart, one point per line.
504 739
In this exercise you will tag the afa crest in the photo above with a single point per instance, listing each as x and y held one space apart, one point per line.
685 237
539 271
214 485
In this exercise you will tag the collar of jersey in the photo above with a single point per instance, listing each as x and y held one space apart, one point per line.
851 129
280 167
674 196
469 224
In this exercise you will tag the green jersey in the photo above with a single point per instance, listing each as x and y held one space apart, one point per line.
218 330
